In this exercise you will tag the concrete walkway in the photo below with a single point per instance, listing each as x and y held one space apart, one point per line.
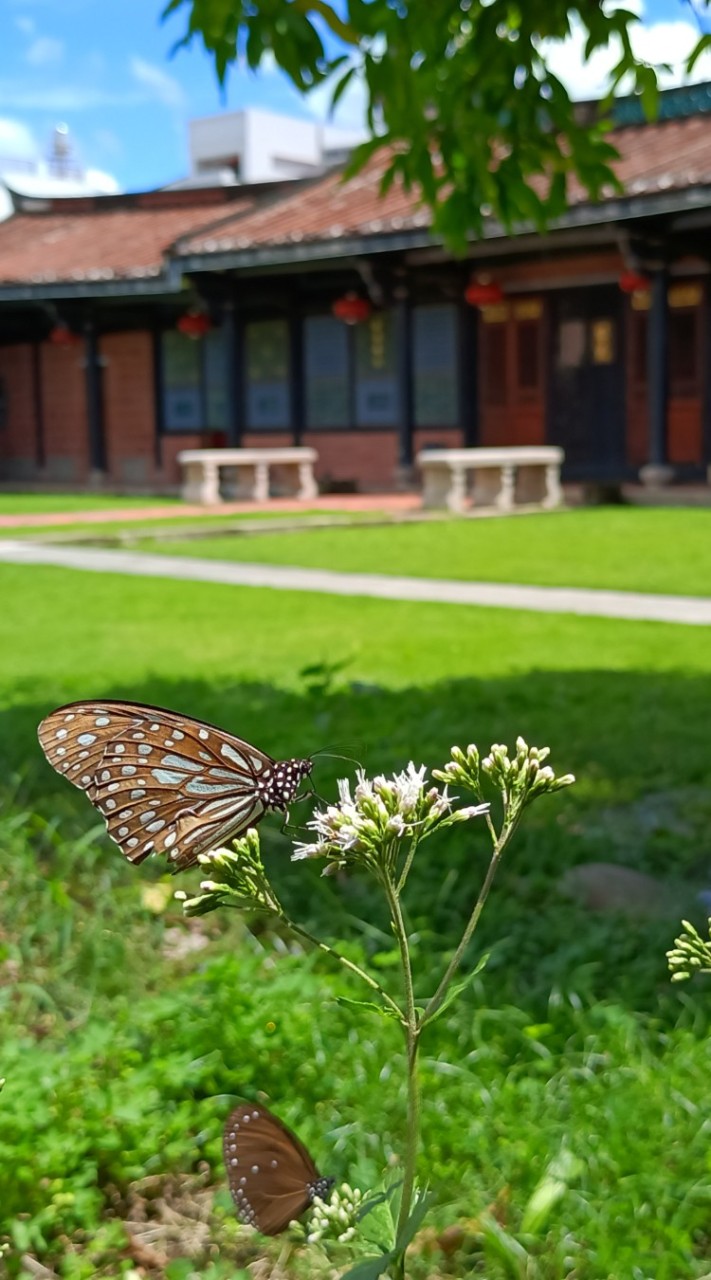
345 502
690 610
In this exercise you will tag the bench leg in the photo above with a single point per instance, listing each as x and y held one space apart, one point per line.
444 487
457 494
308 488
260 493
505 496
202 483
191 488
554 493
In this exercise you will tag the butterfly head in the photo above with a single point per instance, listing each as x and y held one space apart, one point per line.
321 1188
284 782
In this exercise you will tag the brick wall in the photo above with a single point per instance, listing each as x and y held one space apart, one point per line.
18 438
129 408
65 417
169 475
367 457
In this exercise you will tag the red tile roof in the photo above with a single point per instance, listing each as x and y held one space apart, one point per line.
102 238
671 155
114 237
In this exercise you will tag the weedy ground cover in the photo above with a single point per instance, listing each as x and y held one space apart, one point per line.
625 548
126 1032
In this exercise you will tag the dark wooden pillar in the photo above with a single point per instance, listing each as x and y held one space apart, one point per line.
706 377
297 381
234 355
94 398
404 338
158 412
38 406
658 370
468 361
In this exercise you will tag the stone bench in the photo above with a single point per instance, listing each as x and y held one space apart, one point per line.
502 476
201 472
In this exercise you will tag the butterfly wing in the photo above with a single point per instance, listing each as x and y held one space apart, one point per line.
272 1177
165 783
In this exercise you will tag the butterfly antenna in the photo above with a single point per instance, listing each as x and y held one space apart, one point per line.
332 755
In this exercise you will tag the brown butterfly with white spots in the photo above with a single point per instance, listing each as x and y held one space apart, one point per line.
165 783
272 1177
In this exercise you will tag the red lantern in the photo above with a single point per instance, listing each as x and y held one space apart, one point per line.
483 292
351 309
62 336
194 324
633 282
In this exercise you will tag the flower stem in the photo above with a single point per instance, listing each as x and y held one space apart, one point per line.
412 1036
500 844
348 964
408 863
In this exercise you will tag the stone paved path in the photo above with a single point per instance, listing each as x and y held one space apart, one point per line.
690 610
390 502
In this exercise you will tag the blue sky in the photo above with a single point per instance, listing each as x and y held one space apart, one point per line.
104 68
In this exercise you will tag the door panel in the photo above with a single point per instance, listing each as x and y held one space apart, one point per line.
586 413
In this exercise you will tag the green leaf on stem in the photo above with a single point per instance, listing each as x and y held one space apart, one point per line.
458 987
381 1197
369 1268
380 1009
410 1228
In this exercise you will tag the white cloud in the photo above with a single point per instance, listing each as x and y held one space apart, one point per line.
164 88
44 51
655 42
16 142
25 25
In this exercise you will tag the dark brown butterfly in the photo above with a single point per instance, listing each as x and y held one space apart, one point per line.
272 1177
166 783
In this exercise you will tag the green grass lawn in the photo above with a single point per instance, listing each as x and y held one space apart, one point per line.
123 1048
624 548
24 504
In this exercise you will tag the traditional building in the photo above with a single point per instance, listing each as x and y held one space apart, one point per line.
314 311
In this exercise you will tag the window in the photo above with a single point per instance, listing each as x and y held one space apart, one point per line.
326 349
194 382
182 392
267 375
435 366
571 344
214 368
377 398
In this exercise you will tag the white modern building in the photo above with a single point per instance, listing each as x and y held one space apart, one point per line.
261 146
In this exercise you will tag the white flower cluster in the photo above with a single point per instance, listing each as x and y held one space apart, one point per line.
336 1218
369 824
524 777
519 780
237 879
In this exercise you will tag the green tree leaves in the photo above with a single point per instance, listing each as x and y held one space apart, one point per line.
460 97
